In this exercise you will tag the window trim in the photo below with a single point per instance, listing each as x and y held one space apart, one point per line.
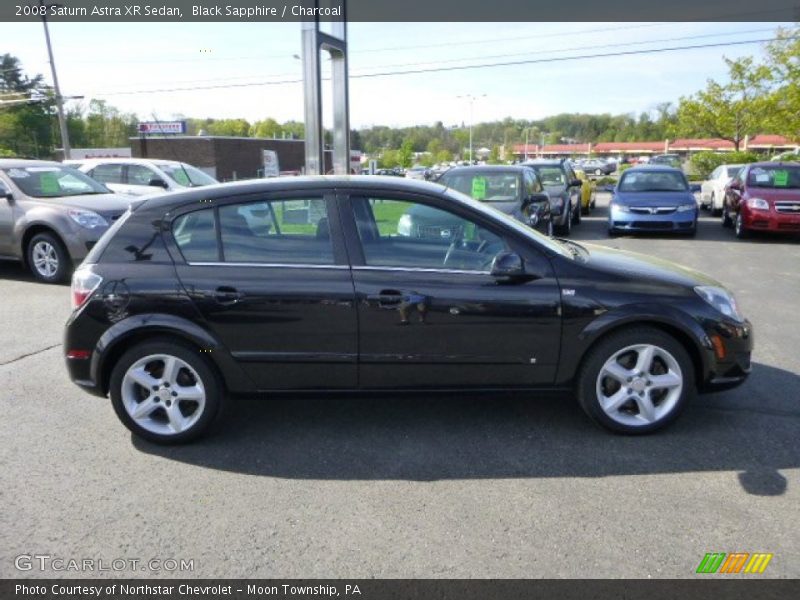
340 258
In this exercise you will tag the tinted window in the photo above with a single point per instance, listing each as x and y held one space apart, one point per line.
486 186
653 181
111 173
187 175
550 175
397 233
276 231
196 236
732 171
139 240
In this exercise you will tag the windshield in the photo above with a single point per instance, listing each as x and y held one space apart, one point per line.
187 175
486 187
653 181
550 175
779 177
54 181
498 215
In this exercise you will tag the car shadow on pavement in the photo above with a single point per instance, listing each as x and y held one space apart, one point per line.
501 436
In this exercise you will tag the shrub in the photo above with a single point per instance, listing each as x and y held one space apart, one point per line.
703 163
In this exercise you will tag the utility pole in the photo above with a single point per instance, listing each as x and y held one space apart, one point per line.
62 122
471 99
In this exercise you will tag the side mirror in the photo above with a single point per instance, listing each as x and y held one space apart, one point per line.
5 192
508 267
577 182
538 198
155 182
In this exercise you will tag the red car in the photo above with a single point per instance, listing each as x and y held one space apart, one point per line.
763 197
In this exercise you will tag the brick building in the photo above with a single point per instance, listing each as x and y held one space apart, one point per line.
225 158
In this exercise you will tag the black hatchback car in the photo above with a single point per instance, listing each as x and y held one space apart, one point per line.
308 284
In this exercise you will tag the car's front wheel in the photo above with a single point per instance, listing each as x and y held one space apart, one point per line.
165 392
48 259
636 381
566 228
739 227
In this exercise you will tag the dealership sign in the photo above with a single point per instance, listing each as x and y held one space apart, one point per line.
162 127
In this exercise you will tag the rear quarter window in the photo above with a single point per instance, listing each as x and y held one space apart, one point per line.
133 238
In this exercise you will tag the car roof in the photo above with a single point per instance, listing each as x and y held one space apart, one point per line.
20 163
543 162
277 184
653 168
772 163
135 161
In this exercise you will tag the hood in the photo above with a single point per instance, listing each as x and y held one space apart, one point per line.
654 198
631 265
103 204
773 194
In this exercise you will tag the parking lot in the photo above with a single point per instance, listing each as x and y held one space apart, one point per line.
503 486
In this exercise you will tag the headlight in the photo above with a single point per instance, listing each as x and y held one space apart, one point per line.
721 299
620 207
687 207
87 218
404 226
757 204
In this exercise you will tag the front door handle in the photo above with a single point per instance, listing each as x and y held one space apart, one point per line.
227 295
386 297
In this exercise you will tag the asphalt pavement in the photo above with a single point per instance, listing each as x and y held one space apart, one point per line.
462 486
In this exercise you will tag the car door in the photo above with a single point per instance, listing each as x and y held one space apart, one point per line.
268 273
430 314
6 220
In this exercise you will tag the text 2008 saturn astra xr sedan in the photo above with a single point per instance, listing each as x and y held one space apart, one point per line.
306 284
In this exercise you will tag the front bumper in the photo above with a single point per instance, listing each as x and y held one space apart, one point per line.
772 221
729 346
674 222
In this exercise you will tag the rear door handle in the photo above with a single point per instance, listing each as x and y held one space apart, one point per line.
227 295
386 297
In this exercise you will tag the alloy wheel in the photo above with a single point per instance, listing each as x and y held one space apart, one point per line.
639 385
163 394
45 259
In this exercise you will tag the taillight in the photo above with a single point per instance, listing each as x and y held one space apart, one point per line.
84 283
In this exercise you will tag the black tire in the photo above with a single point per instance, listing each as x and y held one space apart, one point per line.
726 217
612 232
214 392
565 229
741 231
593 362
63 266
578 212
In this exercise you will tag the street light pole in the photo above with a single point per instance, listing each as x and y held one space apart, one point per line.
62 122
471 99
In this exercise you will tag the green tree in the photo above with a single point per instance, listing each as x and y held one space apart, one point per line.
26 128
494 155
784 62
268 128
731 110
406 154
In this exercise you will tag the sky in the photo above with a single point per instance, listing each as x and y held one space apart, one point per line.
110 60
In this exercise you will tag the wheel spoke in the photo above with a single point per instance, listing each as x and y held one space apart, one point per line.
176 419
617 371
144 408
192 392
143 378
171 368
647 410
645 359
613 402
668 380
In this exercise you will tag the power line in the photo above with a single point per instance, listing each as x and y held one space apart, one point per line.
458 67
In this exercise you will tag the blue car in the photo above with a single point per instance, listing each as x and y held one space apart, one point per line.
653 198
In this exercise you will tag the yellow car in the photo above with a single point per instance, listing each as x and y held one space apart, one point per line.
587 192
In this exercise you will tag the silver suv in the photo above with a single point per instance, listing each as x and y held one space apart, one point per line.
51 215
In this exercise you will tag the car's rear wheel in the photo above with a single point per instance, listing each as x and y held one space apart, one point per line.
578 212
165 392
741 231
48 259
636 381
